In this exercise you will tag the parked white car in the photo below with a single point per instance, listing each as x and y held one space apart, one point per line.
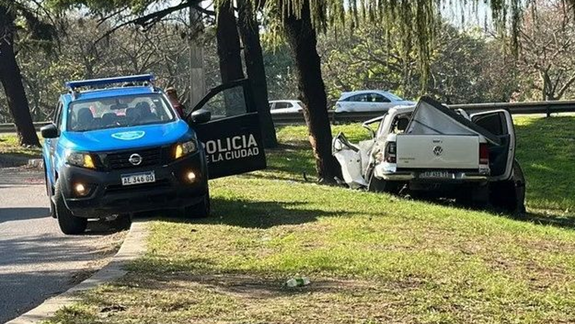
430 149
368 101
285 106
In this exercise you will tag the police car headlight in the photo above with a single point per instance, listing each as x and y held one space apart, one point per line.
184 149
83 160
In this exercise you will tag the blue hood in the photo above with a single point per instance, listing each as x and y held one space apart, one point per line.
113 139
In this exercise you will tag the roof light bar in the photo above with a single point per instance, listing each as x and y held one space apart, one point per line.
72 85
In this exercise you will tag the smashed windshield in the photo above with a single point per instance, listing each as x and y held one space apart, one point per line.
124 111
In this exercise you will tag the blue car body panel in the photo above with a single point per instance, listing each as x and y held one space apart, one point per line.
126 137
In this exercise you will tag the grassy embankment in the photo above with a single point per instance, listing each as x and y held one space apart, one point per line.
372 258
9 146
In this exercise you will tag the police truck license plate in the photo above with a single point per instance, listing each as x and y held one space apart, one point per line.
435 175
138 178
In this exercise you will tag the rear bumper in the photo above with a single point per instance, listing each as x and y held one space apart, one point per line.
456 177
390 172
107 196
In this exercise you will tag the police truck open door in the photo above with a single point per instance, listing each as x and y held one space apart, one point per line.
227 123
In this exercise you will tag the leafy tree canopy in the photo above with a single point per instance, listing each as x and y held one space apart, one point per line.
137 6
417 21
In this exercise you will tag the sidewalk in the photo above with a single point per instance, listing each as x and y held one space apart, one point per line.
132 248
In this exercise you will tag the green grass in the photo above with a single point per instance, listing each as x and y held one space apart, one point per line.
9 147
546 151
372 258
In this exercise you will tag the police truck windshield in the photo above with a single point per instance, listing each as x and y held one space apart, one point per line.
124 111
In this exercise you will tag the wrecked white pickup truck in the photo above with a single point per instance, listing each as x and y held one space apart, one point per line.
429 149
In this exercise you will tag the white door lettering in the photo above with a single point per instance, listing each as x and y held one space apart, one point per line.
231 148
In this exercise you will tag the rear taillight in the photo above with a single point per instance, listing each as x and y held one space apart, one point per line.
390 152
483 153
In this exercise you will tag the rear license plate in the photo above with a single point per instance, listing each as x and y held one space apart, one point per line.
436 175
138 178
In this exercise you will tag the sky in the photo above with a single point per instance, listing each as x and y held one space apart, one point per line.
467 16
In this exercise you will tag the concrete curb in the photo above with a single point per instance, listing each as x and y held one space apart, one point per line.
133 247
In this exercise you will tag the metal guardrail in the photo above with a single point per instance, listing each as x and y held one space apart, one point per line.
539 107
527 108
11 128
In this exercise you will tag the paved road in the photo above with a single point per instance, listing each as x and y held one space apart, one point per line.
36 260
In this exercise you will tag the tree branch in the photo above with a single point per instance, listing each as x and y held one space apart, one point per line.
152 18
112 14
566 86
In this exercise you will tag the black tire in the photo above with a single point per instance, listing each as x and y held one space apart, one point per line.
52 208
509 195
519 180
503 196
380 185
199 210
69 224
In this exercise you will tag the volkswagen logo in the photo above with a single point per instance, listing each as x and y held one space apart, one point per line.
135 159
437 150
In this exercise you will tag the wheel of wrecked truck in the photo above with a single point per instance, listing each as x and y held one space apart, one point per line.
502 196
519 180
200 210
380 185
69 224
509 195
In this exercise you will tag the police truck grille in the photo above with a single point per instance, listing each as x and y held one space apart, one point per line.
149 157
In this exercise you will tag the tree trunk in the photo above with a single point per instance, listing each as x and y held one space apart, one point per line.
229 54
228 44
197 74
301 37
254 59
547 87
11 80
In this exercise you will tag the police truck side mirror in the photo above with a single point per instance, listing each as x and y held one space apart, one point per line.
201 116
49 131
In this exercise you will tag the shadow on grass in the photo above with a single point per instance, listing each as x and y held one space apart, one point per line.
264 214
549 220
258 214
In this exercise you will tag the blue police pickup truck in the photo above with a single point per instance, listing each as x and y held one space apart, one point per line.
117 146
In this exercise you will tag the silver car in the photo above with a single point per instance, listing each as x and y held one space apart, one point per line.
285 106
369 101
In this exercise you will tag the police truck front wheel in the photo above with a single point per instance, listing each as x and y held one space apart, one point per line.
69 224
199 210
